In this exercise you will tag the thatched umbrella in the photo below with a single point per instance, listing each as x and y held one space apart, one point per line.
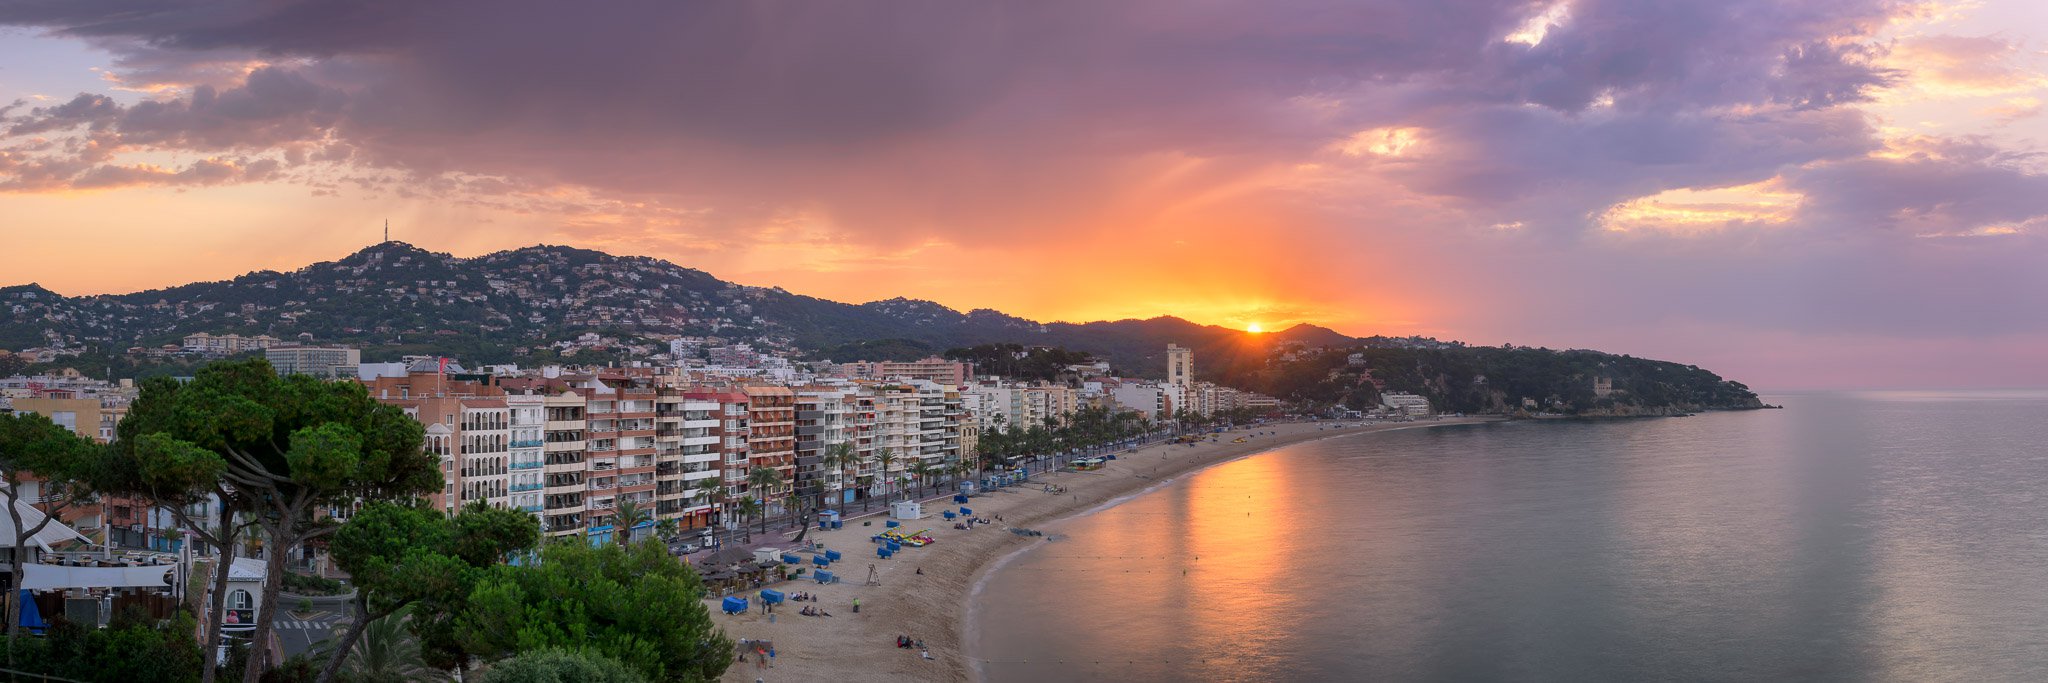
725 557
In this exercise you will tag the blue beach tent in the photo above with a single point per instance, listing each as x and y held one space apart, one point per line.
31 616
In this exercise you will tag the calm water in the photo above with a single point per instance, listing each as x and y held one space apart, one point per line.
1857 537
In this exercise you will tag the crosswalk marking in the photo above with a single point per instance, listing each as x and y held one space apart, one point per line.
299 624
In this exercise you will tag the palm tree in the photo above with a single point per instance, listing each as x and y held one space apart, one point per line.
387 652
963 469
627 515
714 491
887 458
923 471
762 479
748 508
794 504
840 457
865 481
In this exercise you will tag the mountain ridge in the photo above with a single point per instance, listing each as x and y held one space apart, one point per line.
493 306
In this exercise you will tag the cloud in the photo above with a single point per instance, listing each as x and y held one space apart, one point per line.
1532 160
1966 65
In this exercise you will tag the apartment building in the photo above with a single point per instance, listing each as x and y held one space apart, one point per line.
226 344
771 439
823 415
563 451
687 453
932 369
732 432
527 457
325 362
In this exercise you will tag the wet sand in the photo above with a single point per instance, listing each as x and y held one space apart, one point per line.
933 606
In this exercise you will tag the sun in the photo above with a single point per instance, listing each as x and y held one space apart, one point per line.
1254 328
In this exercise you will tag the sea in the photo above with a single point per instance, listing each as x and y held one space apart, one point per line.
1873 536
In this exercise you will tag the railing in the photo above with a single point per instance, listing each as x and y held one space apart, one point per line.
516 488
529 508
526 465
528 444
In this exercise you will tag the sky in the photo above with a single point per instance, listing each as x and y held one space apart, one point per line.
1817 194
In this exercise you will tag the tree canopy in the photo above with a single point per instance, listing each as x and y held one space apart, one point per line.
400 555
560 666
289 446
633 604
34 450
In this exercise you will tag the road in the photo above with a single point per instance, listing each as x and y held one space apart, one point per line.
297 633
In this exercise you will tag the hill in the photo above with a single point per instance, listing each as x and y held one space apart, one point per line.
393 298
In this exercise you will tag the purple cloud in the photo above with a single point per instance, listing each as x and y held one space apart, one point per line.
993 124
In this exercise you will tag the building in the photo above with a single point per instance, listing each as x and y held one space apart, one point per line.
933 369
325 362
686 455
771 440
1403 403
562 455
80 415
1180 365
226 344
527 456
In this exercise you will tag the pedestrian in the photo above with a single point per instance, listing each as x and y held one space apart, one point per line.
771 657
856 605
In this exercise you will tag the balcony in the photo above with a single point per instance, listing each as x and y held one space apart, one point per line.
534 443
516 488
529 508
536 464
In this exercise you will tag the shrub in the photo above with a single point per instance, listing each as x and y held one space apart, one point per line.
560 666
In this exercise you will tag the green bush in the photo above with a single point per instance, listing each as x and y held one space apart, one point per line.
130 650
312 585
560 666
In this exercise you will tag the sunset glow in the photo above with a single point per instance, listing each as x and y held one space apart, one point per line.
1485 171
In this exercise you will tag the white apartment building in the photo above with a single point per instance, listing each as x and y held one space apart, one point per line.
486 441
563 453
528 453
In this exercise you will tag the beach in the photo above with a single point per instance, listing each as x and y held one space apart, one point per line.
932 606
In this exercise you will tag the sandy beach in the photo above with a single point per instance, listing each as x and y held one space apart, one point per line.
932 606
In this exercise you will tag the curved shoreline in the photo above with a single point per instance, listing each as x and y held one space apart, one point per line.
935 605
988 569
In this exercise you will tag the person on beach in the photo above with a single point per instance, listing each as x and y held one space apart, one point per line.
856 601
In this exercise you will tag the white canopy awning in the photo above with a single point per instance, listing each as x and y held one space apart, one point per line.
56 532
42 577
